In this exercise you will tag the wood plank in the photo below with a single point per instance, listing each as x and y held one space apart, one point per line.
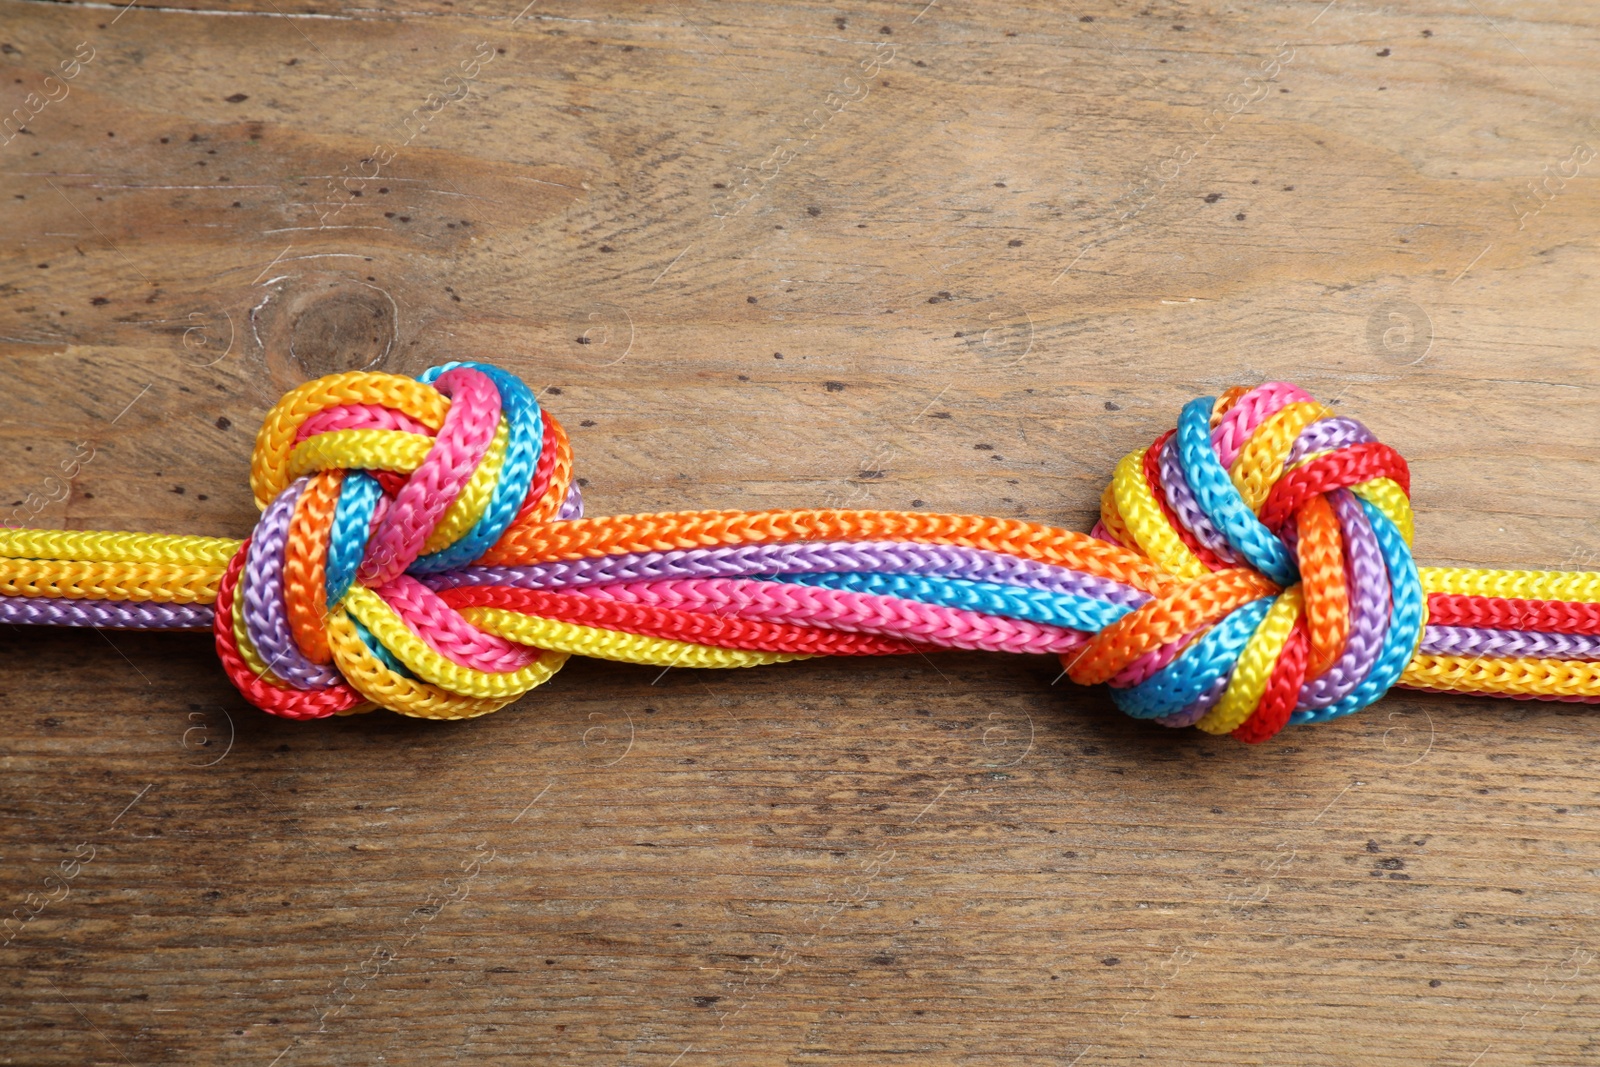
952 257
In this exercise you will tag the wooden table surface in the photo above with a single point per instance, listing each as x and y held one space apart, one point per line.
956 257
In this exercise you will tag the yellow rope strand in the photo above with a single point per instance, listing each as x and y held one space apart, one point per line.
163 583
1259 463
107 546
1142 517
1582 587
1518 676
614 644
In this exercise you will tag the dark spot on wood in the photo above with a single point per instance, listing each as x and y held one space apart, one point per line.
841 22
1392 863
834 387
744 377
1427 33
1372 846
343 328
1212 198
983 448
405 218
587 422
869 475
940 415
236 98
1435 984
1110 961
749 300
607 248
99 301
813 211
777 355
1383 51
918 504
1240 216
705 1002
1015 242
883 959
1112 405
1085 18
884 29
224 423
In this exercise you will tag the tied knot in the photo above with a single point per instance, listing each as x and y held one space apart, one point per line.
365 481
1284 531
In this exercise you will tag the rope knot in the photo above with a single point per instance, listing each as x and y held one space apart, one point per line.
1286 530
364 481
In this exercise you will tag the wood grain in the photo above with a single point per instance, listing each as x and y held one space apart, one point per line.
958 257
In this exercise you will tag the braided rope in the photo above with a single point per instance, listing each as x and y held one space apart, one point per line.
421 549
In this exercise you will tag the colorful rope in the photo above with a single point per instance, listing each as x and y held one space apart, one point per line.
420 549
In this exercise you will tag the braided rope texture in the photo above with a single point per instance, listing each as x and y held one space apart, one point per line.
421 548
